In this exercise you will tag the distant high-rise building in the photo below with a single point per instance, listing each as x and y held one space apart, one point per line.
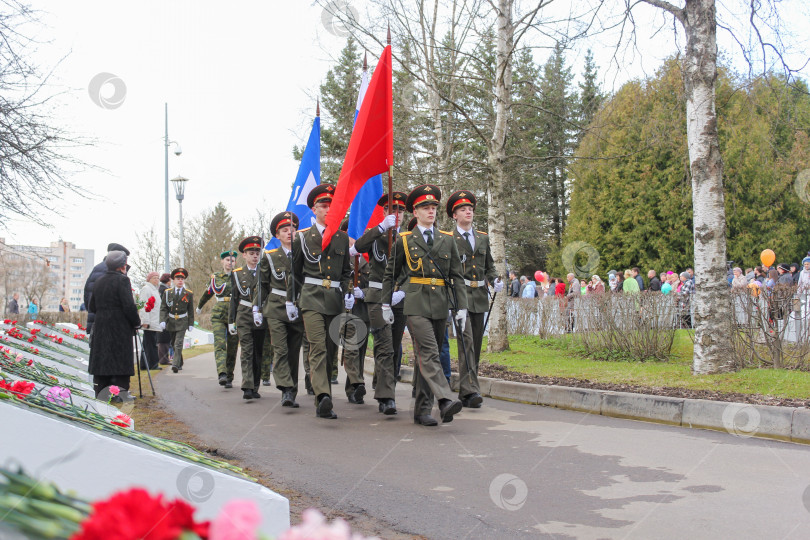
54 272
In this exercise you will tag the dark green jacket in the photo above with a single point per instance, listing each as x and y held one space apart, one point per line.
275 271
328 267
173 306
476 266
426 300
220 281
375 243
243 285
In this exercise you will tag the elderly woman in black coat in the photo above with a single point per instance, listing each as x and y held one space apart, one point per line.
116 318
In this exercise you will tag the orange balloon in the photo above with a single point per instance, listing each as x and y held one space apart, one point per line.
767 257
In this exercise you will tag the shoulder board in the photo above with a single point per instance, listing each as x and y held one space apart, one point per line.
189 291
213 275
237 269
482 232
271 250
448 233
405 233
304 230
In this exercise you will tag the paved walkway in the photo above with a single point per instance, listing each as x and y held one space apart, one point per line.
507 470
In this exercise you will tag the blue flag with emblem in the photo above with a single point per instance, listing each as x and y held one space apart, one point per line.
309 176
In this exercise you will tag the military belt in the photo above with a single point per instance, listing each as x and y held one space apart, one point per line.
223 298
278 292
325 283
375 285
474 284
245 303
427 281
180 316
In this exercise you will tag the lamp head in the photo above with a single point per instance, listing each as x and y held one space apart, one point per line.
177 149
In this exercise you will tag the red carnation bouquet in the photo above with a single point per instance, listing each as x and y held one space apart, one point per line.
150 304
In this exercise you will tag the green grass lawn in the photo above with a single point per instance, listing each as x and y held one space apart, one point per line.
562 357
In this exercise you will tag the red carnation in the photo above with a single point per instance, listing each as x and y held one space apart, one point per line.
19 388
150 304
121 420
135 515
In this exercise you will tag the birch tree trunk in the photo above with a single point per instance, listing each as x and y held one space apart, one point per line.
496 149
712 339
712 334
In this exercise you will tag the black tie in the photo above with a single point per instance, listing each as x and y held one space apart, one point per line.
467 238
429 237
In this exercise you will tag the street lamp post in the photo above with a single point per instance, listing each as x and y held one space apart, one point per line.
177 152
179 190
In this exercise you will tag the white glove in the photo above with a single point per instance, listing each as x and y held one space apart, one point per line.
397 297
461 317
292 311
348 301
163 325
353 251
389 221
191 327
388 313
257 318
198 311
232 329
498 285
358 293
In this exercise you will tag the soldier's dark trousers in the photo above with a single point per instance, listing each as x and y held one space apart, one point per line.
384 368
468 368
321 348
251 341
177 341
287 338
397 329
427 335
355 343
225 346
267 357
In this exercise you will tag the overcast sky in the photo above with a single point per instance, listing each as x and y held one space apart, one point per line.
240 80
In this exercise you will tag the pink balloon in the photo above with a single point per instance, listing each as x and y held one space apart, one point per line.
538 276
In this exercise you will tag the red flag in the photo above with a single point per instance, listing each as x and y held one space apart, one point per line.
371 147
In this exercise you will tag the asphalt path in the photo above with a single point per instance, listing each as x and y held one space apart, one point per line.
507 470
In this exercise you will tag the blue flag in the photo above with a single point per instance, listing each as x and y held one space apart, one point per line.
365 202
309 176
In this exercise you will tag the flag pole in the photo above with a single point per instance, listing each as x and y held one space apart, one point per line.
390 176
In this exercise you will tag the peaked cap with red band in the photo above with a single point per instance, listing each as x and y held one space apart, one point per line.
398 199
321 192
426 194
180 272
283 219
459 199
251 242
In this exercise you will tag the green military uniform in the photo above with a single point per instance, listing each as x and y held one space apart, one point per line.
355 339
177 311
425 263
225 345
244 281
375 242
322 278
267 359
286 335
478 269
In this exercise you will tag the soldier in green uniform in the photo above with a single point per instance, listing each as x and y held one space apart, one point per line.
427 258
245 319
375 242
177 314
323 294
285 334
225 345
479 271
354 334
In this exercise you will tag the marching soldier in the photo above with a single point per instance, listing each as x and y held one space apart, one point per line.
427 258
323 294
355 334
479 271
285 334
225 344
177 314
375 242
245 319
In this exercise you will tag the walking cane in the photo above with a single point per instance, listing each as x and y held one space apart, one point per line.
138 363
